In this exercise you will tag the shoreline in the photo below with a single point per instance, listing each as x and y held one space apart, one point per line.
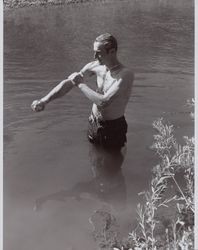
15 4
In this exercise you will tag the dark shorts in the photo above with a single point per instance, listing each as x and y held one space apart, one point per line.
109 134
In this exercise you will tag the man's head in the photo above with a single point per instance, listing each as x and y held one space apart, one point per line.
105 48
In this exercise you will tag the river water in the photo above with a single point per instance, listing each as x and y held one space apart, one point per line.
52 183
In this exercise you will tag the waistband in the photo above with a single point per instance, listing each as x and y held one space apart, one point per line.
92 118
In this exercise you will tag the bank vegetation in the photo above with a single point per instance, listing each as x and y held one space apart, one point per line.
13 4
165 217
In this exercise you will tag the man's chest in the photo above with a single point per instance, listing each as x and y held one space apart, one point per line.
105 81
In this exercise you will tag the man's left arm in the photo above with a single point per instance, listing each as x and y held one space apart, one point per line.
121 85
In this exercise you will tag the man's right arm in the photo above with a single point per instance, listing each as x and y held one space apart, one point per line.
62 88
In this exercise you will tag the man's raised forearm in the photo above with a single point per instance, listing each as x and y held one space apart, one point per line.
98 99
60 90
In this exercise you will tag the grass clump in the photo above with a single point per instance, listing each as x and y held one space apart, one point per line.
152 233
166 216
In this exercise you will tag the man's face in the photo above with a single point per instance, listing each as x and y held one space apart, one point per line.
100 53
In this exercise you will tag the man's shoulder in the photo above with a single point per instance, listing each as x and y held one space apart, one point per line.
127 73
127 70
95 66
92 67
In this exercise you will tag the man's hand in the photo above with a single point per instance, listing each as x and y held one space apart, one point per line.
38 105
76 78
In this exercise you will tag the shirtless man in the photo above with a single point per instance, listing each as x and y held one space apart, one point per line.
107 124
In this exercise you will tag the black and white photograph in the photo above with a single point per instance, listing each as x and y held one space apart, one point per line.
98 125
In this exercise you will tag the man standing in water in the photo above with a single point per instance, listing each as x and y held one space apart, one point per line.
107 124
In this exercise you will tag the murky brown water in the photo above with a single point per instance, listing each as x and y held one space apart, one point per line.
52 175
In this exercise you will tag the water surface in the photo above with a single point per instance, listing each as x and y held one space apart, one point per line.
51 186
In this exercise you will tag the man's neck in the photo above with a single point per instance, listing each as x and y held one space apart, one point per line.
113 65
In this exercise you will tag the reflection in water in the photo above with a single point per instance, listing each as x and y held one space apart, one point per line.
107 185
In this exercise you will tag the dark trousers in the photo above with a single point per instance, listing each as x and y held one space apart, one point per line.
110 134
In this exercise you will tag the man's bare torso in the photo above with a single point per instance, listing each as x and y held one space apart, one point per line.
118 83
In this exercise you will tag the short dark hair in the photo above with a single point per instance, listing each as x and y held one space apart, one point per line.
108 40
